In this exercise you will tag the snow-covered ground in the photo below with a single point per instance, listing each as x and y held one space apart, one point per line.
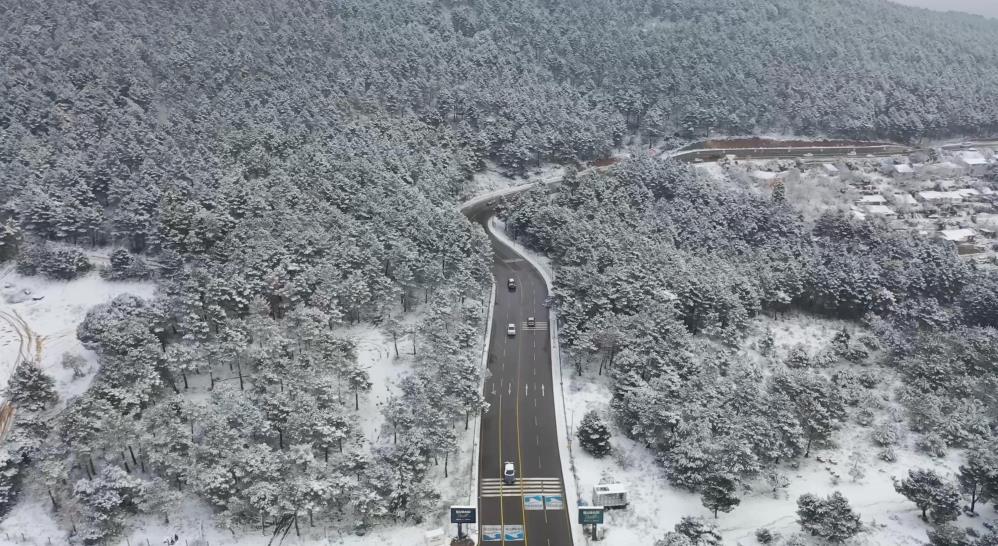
656 506
39 316
491 180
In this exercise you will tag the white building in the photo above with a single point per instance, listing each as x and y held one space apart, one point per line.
872 200
830 170
974 161
880 210
767 176
947 197
944 169
902 171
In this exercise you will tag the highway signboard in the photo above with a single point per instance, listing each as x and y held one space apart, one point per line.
591 515
512 532
554 502
463 514
533 502
491 533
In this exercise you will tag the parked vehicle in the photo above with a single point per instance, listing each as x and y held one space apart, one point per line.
610 495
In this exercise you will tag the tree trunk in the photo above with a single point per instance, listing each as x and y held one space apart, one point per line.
132 453
395 341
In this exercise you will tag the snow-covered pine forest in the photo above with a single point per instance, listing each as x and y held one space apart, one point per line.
661 277
282 171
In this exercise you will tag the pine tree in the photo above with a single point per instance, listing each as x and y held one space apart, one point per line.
831 518
594 435
938 500
979 476
719 494
30 389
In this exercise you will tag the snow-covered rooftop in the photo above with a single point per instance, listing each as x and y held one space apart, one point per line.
955 195
765 175
881 210
872 200
903 168
958 235
972 158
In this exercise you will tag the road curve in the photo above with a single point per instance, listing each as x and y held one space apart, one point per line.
520 425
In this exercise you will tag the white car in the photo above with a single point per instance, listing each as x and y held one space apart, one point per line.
508 473
531 322
511 330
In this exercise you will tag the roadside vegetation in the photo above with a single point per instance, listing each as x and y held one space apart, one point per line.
660 277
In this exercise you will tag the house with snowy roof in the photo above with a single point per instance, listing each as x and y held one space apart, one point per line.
974 161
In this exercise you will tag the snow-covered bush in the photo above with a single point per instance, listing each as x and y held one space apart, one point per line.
932 444
765 536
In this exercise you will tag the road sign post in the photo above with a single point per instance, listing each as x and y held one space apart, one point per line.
591 515
461 515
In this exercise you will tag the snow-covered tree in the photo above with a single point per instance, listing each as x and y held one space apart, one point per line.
719 494
594 434
938 499
830 518
30 389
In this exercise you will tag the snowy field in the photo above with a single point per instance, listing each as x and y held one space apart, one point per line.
38 319
43 316
656 506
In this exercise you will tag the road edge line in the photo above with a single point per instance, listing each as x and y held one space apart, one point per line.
477 441
567 460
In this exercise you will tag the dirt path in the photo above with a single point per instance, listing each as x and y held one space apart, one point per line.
29 343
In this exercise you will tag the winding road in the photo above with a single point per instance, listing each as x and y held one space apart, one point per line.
520 426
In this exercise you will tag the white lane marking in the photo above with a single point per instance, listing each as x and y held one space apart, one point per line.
542 390
509 391
526 389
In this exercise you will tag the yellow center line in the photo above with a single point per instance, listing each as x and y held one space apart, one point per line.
519 455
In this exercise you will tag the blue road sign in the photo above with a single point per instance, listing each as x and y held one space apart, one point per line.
512 532
533 502
491 533
554 502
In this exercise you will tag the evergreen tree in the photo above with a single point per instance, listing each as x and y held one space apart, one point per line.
719 494
978 476
938 500
30 389
594 435
830 518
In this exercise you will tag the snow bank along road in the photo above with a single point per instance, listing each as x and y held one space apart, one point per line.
520 426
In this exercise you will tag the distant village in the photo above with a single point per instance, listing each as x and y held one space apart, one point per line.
950 194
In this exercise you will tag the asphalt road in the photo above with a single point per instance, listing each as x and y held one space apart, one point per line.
791 153
520 425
